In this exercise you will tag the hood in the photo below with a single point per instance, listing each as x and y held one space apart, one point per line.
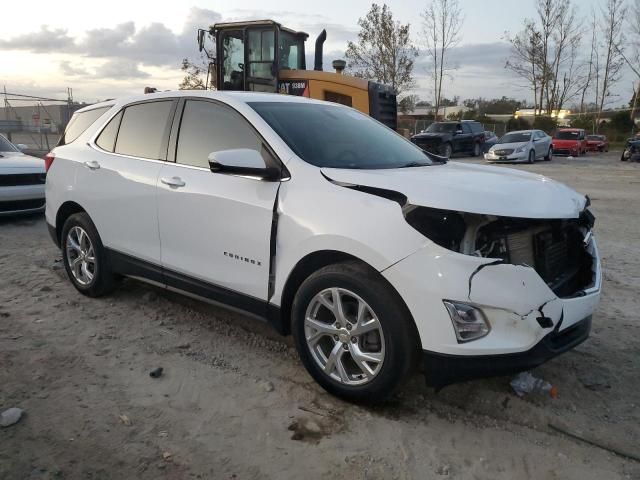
508 146
432 135
20 161
472 188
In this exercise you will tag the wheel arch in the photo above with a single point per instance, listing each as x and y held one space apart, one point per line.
67 209
313 262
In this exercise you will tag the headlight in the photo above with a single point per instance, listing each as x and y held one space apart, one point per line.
520 149
468 321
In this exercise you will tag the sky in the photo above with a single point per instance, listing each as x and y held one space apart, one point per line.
109 49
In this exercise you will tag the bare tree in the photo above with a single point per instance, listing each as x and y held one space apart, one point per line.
592 77
525 60
384 51
442 21
613 38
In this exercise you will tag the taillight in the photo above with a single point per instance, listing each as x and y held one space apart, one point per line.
48 160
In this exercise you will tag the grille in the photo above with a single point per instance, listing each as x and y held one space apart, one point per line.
21 205
429 144
503 152
19 179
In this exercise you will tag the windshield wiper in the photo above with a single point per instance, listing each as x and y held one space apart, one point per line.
415 164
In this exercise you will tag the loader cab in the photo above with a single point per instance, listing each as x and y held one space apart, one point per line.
250 55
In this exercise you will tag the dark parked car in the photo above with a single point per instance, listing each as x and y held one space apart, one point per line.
631 151
490 139
447 138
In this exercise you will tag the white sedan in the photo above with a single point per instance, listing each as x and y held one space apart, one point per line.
22 180
521 146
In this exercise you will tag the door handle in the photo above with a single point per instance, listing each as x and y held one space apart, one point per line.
93 165
173 182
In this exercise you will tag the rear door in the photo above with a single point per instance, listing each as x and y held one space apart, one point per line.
215 228
117 180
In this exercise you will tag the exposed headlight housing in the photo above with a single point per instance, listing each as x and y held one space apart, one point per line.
469 322
520 149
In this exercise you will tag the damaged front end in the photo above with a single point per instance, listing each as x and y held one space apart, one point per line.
517 291
557 249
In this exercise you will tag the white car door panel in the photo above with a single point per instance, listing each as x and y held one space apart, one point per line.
215 227
118 177
127 221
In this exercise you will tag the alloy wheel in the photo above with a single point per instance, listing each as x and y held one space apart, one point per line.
81 256
344 336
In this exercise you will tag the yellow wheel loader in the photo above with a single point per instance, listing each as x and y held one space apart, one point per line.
264 56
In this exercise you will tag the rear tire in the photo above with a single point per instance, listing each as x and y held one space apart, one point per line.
333 352
85 258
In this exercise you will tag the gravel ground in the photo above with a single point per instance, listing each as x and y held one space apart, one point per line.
234 402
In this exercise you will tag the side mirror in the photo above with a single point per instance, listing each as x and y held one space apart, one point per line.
21 146
243 162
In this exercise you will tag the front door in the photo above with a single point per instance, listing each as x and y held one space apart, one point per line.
215 228
261 68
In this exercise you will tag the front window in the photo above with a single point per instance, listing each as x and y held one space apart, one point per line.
516 137
443 128
339 137
6 145
291 51
567 135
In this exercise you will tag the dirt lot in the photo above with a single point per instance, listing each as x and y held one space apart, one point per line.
235 403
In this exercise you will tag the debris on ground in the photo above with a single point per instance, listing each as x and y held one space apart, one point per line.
125 420
525 382
156 372
10 416
594 382
266 386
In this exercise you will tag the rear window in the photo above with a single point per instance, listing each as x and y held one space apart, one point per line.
143 130
79 123
567 135
475 126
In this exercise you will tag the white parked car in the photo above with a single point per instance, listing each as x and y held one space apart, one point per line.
332 227
22 180
521 146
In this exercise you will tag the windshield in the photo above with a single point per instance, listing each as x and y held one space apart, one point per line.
516 137
443 127
566 135
6 145
339 137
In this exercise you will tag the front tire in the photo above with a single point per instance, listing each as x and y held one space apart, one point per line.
532 156
549 155
354 335
447 150
85 258
476 150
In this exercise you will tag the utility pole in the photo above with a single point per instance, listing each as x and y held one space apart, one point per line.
636 94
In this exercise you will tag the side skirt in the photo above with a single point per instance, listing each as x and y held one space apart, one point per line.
140 269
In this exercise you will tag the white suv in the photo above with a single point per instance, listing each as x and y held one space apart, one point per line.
375 255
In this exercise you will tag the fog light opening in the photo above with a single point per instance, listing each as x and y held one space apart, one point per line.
469 322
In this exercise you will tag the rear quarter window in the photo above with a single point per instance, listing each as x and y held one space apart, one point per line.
79 123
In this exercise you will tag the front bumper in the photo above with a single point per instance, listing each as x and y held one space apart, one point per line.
512 158
442 369
21 199
520 307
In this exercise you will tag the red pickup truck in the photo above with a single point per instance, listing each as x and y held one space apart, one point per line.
569 141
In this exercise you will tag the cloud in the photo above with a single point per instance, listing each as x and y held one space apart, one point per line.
72 70
45 40
120 69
